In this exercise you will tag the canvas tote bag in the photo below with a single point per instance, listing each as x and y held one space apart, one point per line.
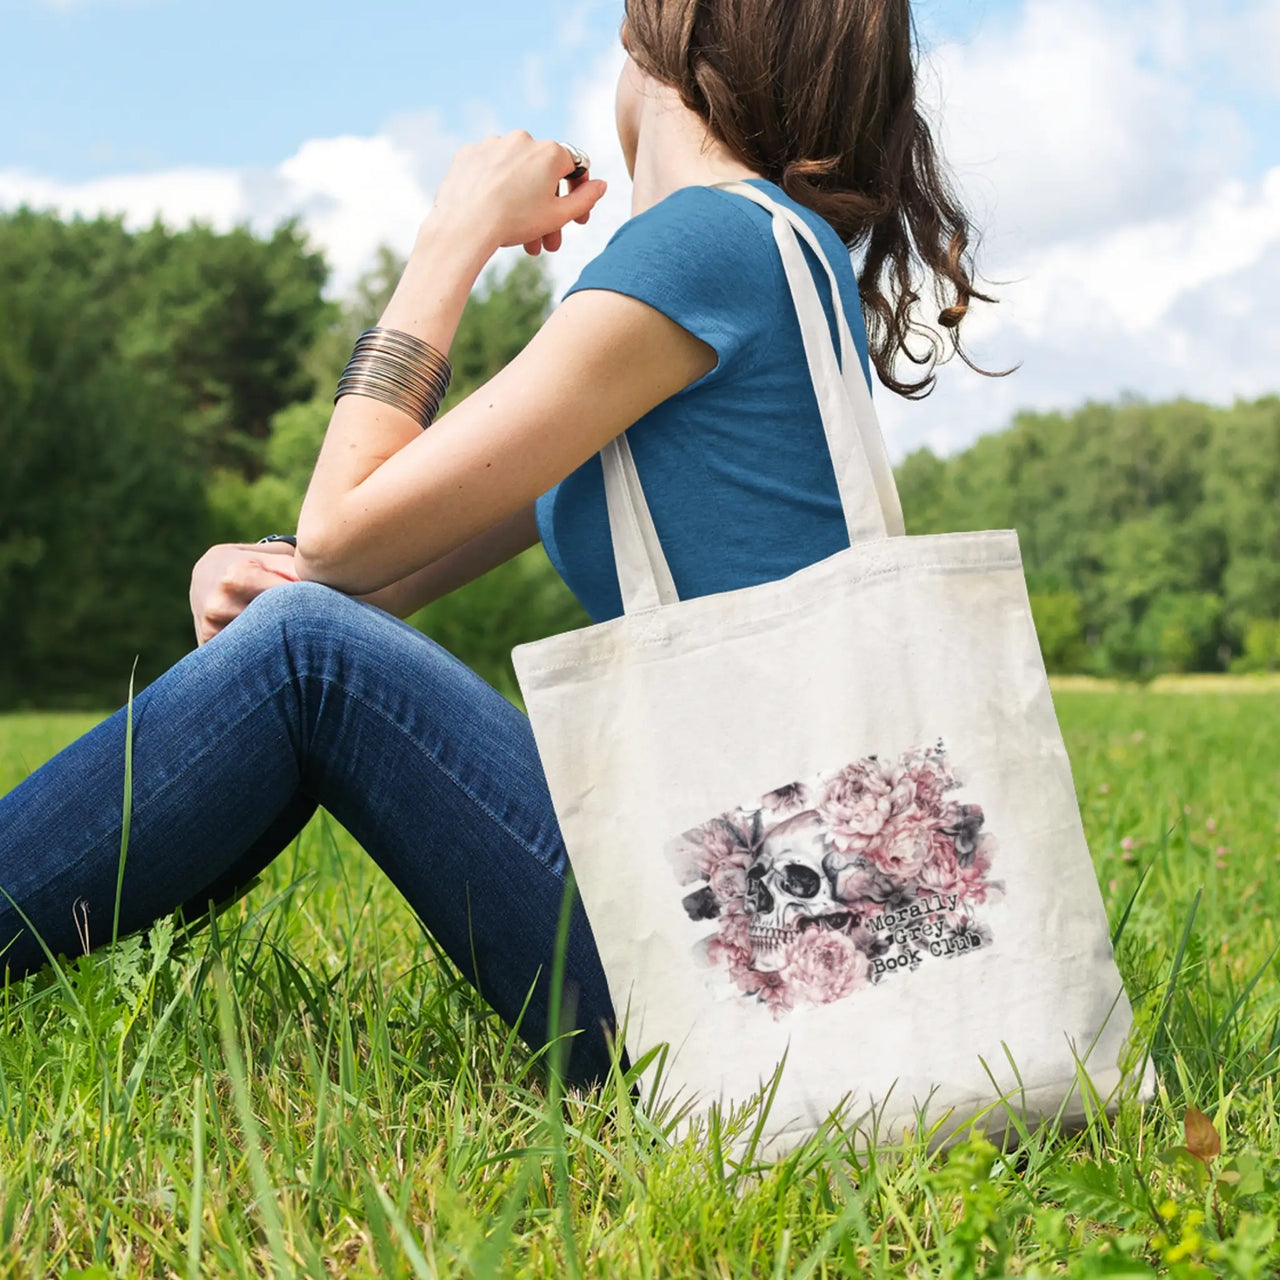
832 817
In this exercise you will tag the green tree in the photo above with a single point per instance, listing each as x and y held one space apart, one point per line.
1242 505
230 319
1059 628
127 362
1261 646
1161 520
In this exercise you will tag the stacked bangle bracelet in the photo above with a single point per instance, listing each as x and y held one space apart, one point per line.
398 369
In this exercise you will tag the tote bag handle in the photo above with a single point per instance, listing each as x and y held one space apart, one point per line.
864 477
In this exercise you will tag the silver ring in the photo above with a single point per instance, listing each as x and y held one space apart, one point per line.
581 161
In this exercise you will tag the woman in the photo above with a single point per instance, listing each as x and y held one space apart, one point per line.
302 692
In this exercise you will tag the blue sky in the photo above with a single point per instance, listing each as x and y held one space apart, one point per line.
93 86
90 87
1122 159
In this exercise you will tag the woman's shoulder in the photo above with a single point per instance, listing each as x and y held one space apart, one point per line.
696 236
702 260
706 258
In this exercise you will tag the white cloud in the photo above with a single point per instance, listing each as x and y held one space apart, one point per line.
1136 259
177 195
1070 119
1242 37
591 127
1140 253
352 193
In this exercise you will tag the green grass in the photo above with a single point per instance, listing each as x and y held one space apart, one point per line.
307 1089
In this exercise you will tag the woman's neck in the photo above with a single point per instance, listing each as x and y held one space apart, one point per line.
675 149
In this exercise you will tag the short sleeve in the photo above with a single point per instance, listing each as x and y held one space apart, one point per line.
700 258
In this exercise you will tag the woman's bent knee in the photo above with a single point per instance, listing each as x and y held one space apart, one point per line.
298 602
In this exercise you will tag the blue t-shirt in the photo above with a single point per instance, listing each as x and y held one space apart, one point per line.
735 468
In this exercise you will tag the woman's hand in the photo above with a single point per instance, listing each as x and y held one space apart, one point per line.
506 192
227 577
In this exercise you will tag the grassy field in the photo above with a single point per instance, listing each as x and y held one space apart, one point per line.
307 1090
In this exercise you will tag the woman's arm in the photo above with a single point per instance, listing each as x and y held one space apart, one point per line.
483 552
229 576
386 497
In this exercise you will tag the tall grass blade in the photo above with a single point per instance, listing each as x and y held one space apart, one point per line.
265 1195
126 814
195 1224
1171 986
557 1017
1118 932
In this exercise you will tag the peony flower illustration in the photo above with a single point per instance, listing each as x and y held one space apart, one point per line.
791 889
855 805
728 878
930 775
731 947
786 801
771 989
825 965
962 822
725 839
903 848
863 886
946 874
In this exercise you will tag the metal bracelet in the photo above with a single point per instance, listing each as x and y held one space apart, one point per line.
397 369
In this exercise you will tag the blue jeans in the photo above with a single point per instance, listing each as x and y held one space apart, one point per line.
310 697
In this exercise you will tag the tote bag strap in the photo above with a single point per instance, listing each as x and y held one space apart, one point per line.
864 478
866 422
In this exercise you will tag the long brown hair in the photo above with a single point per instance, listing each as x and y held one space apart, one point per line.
819 96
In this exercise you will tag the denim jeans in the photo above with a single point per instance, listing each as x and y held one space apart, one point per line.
310 697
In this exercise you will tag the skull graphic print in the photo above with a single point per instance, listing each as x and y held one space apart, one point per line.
789 889
839 882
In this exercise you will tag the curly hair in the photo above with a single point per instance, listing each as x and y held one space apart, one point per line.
819 96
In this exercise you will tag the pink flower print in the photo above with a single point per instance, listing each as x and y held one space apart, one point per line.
824 965
735 932
731 947
861 885
689 857
929 788
902 796
945 874
715 843
729 878
771 989
787 801
904 848
855 805
930 776
962 824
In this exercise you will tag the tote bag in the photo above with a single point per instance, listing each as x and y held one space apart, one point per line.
829 821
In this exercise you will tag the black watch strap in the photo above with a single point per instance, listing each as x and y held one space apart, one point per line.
279 537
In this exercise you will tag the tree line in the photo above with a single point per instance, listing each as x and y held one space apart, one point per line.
1150 533
163 390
